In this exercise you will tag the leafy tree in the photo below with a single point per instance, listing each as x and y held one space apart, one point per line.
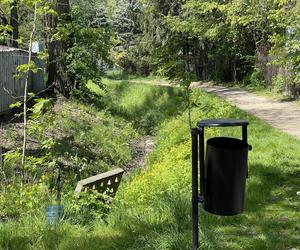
14 22
79 45
58 43
91 35
285 44
126 25
4 27
126 21
222 40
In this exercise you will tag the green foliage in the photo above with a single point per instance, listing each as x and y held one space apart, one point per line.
199 35
292 44
94 88
22 70
35 164
127 53
256 79
40 105
5 31
87 206
223 41
16 200
279 84
134 102
92 141
116 74
76 142
89 35
15 105
25 19
286 42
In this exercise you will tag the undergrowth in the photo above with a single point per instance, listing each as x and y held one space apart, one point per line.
78 142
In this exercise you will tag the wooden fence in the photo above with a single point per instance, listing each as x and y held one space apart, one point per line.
11 88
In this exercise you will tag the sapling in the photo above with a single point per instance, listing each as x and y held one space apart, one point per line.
25 121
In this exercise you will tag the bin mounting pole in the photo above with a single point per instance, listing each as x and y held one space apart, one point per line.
195 197
202 164
245 139
244 133
197 156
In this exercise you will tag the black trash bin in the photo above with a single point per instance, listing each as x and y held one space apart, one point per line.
226 172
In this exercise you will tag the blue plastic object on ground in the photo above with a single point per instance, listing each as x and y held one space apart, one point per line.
53 214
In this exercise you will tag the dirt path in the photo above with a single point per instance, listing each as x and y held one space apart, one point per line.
282 115
141 149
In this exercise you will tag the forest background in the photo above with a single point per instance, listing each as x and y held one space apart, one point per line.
242 41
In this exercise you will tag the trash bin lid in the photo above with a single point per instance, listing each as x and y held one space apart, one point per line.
222 123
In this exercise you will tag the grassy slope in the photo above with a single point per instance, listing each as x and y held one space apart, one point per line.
152 210
144 106
94 137
157 202
84 140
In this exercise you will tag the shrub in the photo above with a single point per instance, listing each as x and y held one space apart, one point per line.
17 200
87 206
256 79
278 84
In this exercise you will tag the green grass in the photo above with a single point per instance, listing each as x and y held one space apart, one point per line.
152 209
144 106
119 75
158 200
93 138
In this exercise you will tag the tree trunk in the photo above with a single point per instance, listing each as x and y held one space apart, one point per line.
59 185
3 22
58 79
234 71
196 54
14 22
263 60
204 64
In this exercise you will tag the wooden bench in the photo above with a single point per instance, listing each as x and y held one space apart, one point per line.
105 182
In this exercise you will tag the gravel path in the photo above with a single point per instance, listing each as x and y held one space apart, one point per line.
282 115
